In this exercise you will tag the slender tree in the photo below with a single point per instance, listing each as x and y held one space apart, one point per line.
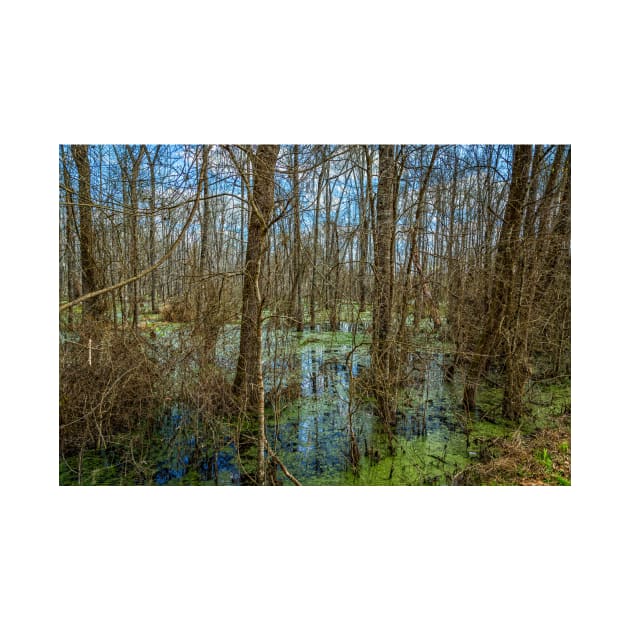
383 264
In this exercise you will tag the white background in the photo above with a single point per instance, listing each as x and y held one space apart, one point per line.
448 72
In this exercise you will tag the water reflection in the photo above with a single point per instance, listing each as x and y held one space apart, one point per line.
321 433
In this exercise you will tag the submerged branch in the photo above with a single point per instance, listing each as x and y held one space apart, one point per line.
277 460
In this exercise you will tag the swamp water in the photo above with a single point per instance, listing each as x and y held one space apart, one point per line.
311 434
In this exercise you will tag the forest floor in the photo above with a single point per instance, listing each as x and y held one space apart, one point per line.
541 458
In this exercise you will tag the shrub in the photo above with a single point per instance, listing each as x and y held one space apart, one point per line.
121 391
177 310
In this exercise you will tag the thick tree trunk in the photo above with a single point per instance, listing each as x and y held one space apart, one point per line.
94 307
248 383
504 293
261 211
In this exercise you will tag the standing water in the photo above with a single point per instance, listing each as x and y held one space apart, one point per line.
312 430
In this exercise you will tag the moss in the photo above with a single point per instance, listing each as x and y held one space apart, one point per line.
310 434
549 400
96 470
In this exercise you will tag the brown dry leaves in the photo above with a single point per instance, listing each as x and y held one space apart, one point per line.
541 459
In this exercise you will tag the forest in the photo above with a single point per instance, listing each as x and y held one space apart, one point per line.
314 314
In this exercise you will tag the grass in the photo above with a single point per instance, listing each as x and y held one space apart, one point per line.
540 459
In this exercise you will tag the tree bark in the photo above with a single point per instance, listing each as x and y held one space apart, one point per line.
363 241
133 224
383 261
71 280
297 313
383 274
312 301
504 292
261 211
152 208
248 383
95 307
413 259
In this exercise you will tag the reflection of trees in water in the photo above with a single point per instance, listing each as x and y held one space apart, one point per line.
313 434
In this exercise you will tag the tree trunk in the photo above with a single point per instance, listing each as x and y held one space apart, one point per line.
133 218
312 301
413 260
71 280
504 294
95 307
261 211
363 241
297 313
203 247
382 300
383 261
152 279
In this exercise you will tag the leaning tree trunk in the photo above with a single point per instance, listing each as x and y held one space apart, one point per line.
412 259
